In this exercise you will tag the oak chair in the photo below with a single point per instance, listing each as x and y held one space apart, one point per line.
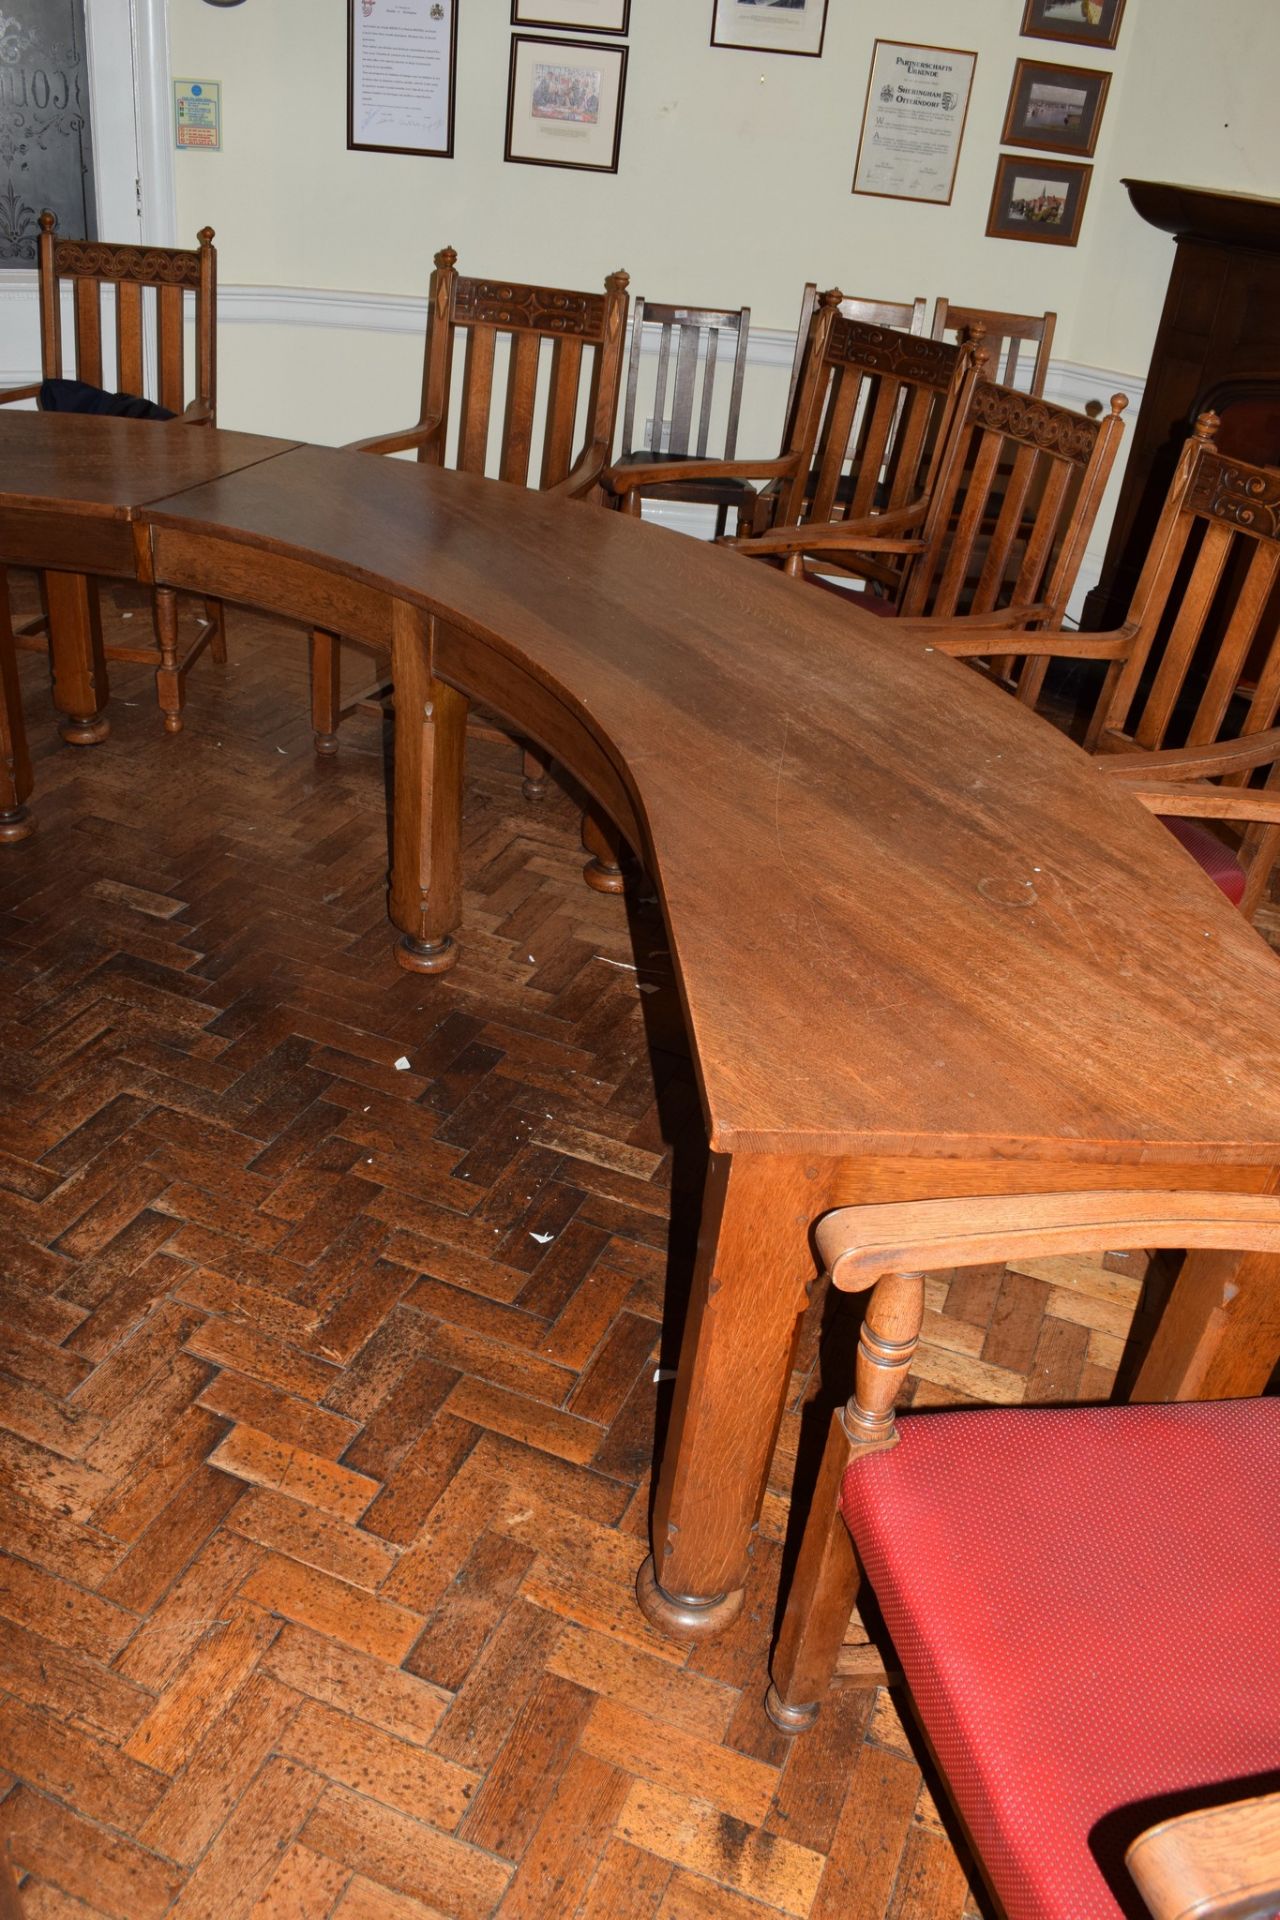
872 428
1053 1581
1216 1863
688 344
145 297
1176 719
1008 529
516 405
1006 336
904 316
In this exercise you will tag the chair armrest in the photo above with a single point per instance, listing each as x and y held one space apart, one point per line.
20 393
198 414
1193 801
585 475
924 626
656 473
1215 1861
1193 763
960 643
416 437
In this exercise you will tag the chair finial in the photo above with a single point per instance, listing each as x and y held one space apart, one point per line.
447 257
831 298
48 221
1206 426
618 282
205 236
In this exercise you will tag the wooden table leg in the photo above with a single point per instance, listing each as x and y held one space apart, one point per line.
603 842
1220 1330
79 665
15 761
426 860
750 1287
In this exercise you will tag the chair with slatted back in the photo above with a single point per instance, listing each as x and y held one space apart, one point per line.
1191 689
872 428
1008 532
130 308
1084 1601
519 409
905 316
687 346
1006 334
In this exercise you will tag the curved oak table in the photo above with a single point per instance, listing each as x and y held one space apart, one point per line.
923 948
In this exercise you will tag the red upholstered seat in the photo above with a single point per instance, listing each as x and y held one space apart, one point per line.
1066 1590
1209 852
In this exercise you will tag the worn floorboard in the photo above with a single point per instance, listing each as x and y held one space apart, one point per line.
332 1337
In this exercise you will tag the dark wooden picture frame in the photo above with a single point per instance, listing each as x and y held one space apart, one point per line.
1040 22
568 114
1035 118
547 13
1022 180
779 9
354 145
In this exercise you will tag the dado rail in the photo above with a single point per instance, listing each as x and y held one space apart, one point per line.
923 948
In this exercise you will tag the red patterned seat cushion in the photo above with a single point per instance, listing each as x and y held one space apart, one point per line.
1086 1604
1209 852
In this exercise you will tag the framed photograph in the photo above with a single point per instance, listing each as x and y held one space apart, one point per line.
1039 200
564 103
770 26
913 121
1055 107
402 62
1091 23
579 16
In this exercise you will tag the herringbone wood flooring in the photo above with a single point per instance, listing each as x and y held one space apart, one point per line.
333 1346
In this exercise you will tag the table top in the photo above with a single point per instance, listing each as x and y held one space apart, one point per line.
907 916
110 468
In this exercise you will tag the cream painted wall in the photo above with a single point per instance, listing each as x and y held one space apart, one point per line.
733 185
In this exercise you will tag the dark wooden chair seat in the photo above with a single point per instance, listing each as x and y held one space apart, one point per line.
182 283
1084 1601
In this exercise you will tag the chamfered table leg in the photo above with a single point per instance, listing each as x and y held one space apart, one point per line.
750 1287
15 761
426 860
1219 1332
76 657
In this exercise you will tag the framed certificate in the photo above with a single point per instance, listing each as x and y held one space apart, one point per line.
913 121
402 59
770 26
579 16
564 103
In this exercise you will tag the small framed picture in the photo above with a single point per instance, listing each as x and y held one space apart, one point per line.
402 67
770 26
1055 107
1040 200
1091 23
564 103
579 16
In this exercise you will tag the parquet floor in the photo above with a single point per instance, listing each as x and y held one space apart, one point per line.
332 1348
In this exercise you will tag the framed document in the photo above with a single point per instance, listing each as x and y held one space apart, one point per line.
913 121
770 26
1041 200
564 103
402 59
1055 107
1091 23
581 16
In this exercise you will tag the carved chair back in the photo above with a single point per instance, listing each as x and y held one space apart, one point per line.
1007 334
1205 607
127 280
1015 508
875 415
907 316
560 406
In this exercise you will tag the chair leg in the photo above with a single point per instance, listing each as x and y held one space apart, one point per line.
326 689
604 869
536 770
820 1602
